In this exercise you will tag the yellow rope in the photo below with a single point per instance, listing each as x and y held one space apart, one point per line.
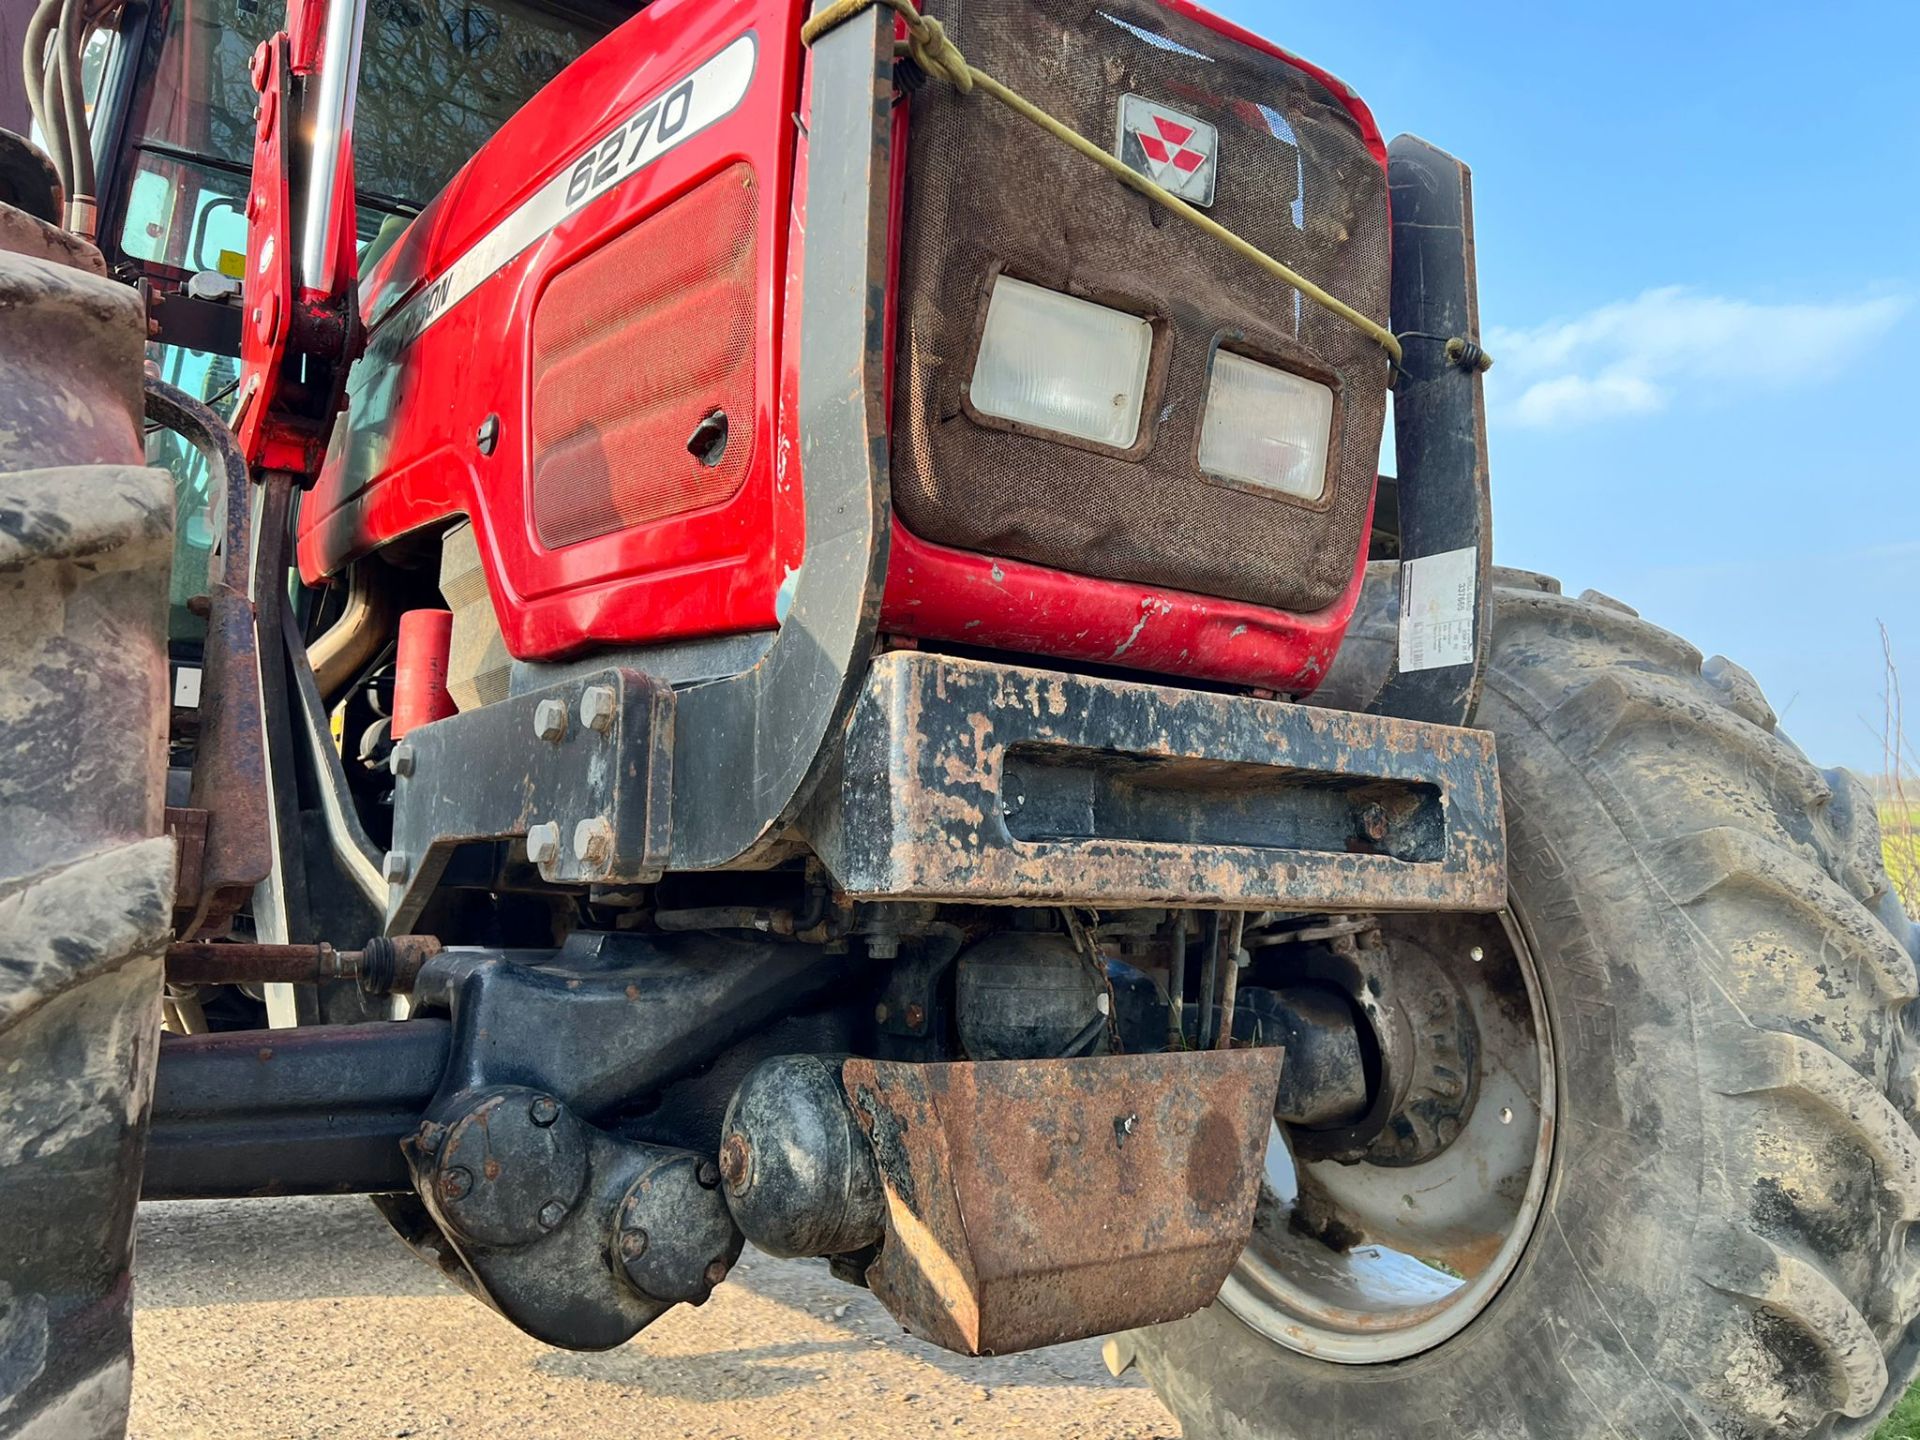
933 52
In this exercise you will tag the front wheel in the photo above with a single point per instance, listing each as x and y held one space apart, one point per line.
1677 1193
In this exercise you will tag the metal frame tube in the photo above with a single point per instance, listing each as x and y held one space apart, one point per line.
290 1112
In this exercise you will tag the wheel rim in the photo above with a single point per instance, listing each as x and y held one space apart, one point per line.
1436 1239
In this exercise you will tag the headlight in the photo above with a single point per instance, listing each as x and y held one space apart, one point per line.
1266 428
1058 363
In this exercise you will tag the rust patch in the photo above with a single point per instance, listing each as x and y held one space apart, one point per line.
1216 1163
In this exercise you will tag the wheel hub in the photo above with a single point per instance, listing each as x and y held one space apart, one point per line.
1383 1239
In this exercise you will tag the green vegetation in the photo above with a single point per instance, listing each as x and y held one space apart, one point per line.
1904 1422
1900 839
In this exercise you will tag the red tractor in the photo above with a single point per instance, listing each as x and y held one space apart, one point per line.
755 624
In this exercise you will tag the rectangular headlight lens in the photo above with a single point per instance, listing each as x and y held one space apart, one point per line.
1266 427
1063 364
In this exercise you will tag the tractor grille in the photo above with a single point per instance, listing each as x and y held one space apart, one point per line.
988 192
634 346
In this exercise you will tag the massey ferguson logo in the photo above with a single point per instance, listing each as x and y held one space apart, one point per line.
1175 151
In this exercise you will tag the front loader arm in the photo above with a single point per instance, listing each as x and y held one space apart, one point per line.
301 329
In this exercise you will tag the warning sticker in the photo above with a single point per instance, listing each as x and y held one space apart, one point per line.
1437 605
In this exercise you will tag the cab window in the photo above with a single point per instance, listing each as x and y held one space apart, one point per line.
437 79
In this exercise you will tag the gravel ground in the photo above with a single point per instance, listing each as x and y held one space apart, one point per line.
307 1319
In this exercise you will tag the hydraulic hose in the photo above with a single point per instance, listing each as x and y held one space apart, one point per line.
42 81
80 199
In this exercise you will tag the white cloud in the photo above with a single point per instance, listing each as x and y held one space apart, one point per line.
1636 356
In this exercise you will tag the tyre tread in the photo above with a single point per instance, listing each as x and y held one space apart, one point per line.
1793 853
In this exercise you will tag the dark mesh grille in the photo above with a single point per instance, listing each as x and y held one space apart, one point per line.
984 187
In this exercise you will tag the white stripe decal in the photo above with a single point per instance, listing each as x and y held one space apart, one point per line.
676 114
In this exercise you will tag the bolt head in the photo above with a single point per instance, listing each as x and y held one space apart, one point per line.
707 1174
592 841
402 760
551 1214
394 868
633 1243
456 1183
544 1111
597 705
543 843
716 1271
1374 822
550 720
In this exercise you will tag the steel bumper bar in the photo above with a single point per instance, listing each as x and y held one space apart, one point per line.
967 781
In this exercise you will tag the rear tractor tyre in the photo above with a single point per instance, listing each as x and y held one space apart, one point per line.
1716 1240
86 870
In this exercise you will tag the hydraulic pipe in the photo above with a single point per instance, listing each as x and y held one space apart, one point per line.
331 131
1229 981
1209 981
1177 981
69 39
40 75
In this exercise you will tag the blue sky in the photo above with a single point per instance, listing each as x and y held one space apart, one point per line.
1699 237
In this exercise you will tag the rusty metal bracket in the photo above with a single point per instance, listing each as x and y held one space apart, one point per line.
228 849
583 770
1031 1202
968 781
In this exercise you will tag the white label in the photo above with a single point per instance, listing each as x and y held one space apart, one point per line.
186 687
1437 607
